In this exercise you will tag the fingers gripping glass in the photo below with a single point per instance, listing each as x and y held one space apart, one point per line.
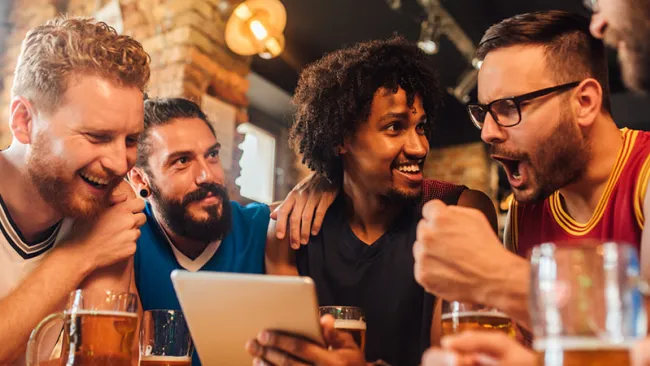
506 112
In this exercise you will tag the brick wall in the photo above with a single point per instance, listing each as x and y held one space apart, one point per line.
467 164
185 39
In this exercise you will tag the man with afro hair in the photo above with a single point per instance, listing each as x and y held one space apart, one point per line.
364 118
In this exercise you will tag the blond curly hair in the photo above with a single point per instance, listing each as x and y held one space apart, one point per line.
51 53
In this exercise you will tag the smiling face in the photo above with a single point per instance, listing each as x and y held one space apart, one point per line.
387 152
547 150
81 150
187 179
625 25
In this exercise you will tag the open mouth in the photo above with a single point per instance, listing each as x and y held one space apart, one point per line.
511 167
95 182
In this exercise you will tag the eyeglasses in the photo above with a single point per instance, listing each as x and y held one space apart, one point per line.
591 5
506 112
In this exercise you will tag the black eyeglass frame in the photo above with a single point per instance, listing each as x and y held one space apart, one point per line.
516 100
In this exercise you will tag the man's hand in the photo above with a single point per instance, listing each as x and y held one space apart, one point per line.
307 202
275 348
111 237
458 257
641 353
479 348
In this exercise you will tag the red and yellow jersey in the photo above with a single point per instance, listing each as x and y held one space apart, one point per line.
618 216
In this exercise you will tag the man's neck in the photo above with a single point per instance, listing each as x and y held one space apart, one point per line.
192 249
369 215
29 212
581 198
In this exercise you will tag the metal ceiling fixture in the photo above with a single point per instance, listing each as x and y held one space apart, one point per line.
440 22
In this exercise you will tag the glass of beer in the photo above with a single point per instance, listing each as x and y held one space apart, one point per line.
165 339
460 316
350 319
98 328
585 303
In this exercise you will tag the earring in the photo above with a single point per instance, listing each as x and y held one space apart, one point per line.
144 193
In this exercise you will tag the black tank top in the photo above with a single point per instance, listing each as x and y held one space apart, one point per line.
377 278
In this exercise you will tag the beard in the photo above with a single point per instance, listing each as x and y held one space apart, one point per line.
631 40
176 215
48 174
559 160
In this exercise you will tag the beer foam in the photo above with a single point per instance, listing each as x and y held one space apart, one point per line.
102 312
467 314
581 344
166 358
349 324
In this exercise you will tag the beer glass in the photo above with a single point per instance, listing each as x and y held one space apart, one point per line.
349 319
585 303
165 339
99 328
460 316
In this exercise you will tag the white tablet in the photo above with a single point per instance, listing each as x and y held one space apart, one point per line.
225 310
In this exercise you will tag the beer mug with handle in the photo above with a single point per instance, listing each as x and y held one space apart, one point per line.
586 303
99 328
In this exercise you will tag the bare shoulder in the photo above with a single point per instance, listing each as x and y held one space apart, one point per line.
480 201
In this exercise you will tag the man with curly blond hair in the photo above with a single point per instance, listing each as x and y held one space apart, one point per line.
67 219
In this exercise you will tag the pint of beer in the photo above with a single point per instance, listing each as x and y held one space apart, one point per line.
98 329
165 339
582 351
585 303
458 317
349 319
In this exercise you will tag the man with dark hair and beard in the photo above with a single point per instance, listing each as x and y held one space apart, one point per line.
573 172
191 222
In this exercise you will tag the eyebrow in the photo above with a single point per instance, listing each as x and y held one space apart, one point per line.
175 155
391 115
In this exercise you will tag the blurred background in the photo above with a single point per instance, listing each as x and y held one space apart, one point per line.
241 61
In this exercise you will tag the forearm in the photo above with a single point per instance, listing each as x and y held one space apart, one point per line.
39 295
508 290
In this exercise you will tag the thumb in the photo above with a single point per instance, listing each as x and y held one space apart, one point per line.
432 208
336 338
121 193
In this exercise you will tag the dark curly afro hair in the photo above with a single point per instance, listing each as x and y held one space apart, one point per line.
335 94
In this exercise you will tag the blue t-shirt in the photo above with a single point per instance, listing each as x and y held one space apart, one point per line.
240 251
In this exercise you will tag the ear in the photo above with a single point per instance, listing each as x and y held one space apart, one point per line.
138 179
21 119
589 101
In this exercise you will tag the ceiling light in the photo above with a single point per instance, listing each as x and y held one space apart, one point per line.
430 35
255 27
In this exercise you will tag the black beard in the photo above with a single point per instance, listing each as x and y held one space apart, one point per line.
175 215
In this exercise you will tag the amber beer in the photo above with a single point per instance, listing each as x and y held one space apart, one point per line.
357 328
576 351
165 361
470 320
99 338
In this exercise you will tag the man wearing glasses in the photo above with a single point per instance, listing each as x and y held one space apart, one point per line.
544 112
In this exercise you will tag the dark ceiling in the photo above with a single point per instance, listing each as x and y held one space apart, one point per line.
315 27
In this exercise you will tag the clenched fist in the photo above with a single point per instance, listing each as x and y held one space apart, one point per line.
459 257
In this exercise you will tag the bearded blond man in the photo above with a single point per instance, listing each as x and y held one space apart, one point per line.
66 219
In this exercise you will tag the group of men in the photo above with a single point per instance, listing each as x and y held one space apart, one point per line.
81 125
